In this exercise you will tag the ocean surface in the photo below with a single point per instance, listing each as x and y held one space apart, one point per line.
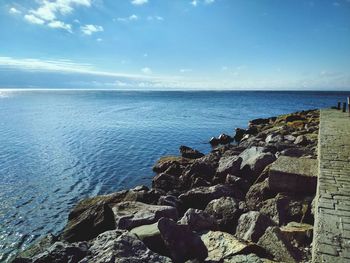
57 147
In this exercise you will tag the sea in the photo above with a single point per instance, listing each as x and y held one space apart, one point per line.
60 146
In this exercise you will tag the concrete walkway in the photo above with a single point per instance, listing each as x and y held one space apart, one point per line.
332 219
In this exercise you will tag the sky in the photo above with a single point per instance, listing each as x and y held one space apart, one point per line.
175 44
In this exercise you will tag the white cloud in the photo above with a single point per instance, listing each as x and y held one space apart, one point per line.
34 20
132 17
205 2
90 29
14 11
60 24
185 70
194 3
139 2
157 18
146 70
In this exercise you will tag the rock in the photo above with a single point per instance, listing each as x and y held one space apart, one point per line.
274 242
213 141
121 247
254 160
187 152
203 168
167 161
229 164
224 139
301 140
182 243
150 236
298 233
199 197
260 121
283 209
129 215
239 134
271 138
223 246
237 182
62 252
295 152
166 182
226 212
93 214
296 175
289 138
252 225
250 258
40 246
170 200
257 193
198 220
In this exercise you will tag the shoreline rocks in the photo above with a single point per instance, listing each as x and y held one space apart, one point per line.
244 202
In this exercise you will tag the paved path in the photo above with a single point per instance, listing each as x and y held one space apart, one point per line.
332 220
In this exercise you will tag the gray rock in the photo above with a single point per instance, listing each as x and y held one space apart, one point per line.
170 200
250 258
226 212
40 246
296 175
289 138
129 215
254 160
198 220
273 138
274 242
229 164
182 243
295 152
301 140
187 152
199 197
257 194
252 225
166 182
121 247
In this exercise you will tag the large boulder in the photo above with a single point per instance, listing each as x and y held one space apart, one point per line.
257 194
198 220
129 215
187 152
223 246
275 243
94 215
252 225
150 236
122 247
166 162
166 182
182 243
199 197
226 212
295 175
254 160
229 165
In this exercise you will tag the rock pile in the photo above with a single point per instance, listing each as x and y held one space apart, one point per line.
244 202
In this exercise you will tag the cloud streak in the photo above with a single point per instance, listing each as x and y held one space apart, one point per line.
90 29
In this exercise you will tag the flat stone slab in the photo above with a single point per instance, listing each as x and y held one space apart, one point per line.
290 174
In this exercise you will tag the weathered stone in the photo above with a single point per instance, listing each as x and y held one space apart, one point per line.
198 220
199 197
129 215
165 162
224 138
203 168
223 246
298 232
297 175
250 258
252 225
254 160
40 246
273 138
226 211
187 152
182 243
301 140
257 194
237 182
229 164
166 182
295 152
150 236
274 242
170 200
122 247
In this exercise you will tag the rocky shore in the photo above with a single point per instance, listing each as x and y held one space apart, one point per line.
250 201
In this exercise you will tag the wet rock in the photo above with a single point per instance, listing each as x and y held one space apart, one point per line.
296 175
229 164
254 160
198 220
129 215
199 197
252 225
182 243
275 243
89 218
120 247
223 246
187 152
226 212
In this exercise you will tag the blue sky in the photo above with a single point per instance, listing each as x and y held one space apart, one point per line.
175 44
